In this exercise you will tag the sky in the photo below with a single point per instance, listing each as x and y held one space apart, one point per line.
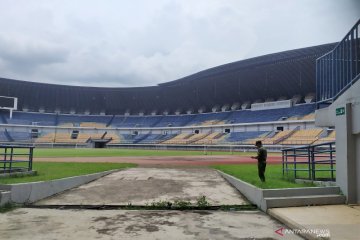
118 43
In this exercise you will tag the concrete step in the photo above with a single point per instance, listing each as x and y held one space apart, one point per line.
5 197
296 201
293 192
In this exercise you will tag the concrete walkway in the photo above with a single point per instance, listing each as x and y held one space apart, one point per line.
333 221
136 225
140 186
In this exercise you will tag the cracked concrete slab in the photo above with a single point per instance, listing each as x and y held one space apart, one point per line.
140 186
47 224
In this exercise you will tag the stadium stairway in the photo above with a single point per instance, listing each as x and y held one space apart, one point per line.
262 137
110 121
287 135
189 120
165 138
197 137
188 136
141 138
156 122
227 116
8 136
3 119
57 120
220 135
303 197
270 135
325 133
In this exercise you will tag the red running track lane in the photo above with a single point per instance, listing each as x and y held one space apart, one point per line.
166 161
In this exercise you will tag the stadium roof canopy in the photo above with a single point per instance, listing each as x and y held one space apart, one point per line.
272 76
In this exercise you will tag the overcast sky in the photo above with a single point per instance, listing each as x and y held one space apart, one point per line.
128 43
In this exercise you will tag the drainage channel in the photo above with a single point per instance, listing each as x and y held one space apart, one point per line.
247 207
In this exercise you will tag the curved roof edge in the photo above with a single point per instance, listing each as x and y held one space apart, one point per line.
250 62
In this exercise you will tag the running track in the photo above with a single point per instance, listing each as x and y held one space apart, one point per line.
167 160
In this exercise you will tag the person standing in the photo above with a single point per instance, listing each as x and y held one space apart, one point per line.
261 157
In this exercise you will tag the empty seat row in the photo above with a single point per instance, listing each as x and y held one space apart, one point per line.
243 116
286 137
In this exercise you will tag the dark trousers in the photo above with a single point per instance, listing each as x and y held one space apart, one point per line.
261 170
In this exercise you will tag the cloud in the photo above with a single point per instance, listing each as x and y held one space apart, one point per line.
142 43
27 57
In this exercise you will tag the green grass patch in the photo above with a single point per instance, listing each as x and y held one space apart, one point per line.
273 174
7 207
54 170
115 152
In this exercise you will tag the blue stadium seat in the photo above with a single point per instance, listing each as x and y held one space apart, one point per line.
76 120
174 120
242 136
3 137
156 138
135 121
19 136
26 118
248 116
242 116
203 117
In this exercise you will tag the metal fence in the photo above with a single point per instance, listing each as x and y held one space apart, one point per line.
16 158
314 162
339 69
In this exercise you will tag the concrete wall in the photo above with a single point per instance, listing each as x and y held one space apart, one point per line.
35 191
286 197
347 140
358 167
4 197
324 117
252 193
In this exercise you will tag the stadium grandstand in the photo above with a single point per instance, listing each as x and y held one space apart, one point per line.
269 98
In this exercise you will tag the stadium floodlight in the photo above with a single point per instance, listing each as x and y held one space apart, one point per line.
8 103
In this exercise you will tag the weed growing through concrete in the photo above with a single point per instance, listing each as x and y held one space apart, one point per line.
181 204
161 204
201 202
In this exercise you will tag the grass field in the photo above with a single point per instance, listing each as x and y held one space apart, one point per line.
109 152
274 177
49 171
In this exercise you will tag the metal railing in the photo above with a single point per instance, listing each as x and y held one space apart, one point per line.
16 158
308 162
337 70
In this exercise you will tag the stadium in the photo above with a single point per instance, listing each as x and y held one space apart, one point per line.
226 105
186 158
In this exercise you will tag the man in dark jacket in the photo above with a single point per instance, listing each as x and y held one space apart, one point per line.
261 157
